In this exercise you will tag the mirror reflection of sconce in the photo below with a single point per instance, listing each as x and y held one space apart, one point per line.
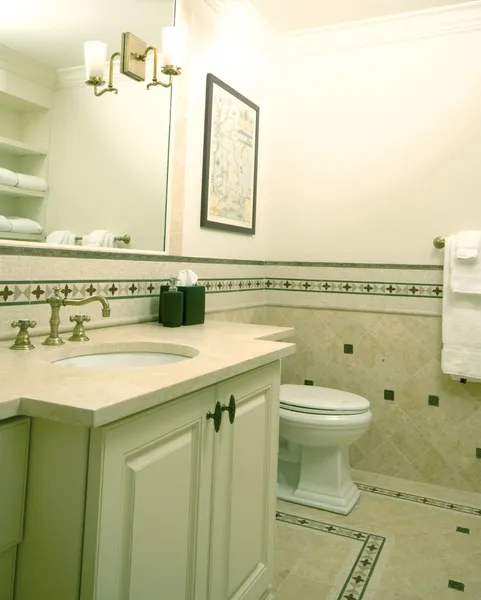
133 60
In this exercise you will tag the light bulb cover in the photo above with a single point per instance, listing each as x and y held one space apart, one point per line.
173 41
95 57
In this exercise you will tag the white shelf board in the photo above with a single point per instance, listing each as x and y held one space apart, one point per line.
7 191
21 237
9 146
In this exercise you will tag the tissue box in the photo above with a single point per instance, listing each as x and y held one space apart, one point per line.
194 303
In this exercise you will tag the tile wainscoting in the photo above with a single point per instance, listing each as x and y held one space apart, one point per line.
370 329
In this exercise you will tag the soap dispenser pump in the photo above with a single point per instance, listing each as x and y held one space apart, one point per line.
172 305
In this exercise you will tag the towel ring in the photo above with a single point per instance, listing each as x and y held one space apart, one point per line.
439 243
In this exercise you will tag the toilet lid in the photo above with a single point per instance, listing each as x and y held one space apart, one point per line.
321 400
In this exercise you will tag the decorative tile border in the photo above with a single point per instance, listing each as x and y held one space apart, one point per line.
469 510
362 570
15 293
367 288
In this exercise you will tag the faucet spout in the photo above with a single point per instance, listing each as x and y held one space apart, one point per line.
103 301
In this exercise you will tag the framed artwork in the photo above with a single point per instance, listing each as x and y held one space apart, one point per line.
229 176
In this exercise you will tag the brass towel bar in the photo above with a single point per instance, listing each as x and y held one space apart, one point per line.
120 238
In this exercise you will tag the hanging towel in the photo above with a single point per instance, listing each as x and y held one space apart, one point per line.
461 356
5 224
465 272
8 177
61 237
99 238
21 225
30 182
467 245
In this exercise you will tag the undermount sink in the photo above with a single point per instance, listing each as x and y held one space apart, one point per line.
127 359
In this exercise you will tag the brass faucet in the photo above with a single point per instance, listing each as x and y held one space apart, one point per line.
56 302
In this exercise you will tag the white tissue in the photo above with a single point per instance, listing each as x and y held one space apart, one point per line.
187 277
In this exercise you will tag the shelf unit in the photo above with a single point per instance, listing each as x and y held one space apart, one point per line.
7 191
16 148
22 237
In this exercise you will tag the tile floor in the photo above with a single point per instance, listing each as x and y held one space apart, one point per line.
402 541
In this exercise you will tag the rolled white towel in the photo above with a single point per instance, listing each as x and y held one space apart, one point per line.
31 182
63 237
22 225
5 224
99 238
8 177
467 245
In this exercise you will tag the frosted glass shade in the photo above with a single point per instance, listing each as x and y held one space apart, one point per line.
172 46
95 57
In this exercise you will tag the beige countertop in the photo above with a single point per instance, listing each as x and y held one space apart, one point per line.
31 385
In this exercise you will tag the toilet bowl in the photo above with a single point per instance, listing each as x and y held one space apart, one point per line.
317 426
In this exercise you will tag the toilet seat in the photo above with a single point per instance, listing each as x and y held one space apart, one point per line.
321 401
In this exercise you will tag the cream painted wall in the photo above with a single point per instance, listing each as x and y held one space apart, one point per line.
375 149
234 46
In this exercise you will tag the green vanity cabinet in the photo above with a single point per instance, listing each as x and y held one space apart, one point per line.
159 505
14 437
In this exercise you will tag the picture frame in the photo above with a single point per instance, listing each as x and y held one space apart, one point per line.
229 172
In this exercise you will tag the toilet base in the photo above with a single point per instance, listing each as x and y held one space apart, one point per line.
319 477
341 505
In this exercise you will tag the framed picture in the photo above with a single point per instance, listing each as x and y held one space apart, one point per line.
229 178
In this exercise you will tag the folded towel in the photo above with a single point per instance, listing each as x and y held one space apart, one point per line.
467 244
61 237
461 356
465 274
5 224
30 182
21 225
8 177
99 238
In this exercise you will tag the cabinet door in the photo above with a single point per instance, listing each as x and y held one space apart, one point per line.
244 486
147 519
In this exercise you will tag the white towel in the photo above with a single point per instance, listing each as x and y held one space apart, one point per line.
5 224
8 177
21 225
63 237
465 273
467 245
30 182
99 238
461 356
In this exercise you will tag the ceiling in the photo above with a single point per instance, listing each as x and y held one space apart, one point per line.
292 15
53 31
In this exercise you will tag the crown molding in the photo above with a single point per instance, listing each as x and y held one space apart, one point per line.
257 23
25 67
406 27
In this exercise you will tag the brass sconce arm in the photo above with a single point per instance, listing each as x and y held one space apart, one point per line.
97 81
167 70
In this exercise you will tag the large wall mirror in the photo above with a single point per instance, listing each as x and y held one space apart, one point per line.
81 163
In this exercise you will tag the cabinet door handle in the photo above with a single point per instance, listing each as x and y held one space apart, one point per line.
217 416
230 408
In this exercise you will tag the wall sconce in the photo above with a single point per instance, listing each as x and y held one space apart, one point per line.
133 60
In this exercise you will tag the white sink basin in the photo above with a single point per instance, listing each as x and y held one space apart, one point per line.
120 360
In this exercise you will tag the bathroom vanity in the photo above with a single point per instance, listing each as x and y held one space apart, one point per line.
141 483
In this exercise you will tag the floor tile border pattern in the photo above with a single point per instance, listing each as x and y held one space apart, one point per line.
366 561
35 292
470 510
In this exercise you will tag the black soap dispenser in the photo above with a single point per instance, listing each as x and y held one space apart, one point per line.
172 305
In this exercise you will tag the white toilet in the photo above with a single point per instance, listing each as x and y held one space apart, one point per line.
317 426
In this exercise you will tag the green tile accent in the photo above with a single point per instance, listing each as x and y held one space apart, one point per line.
456 585
308 382
463 530
433 400
388 394
348 349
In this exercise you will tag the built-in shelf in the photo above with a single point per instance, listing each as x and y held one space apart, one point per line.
7 191
9 146
21 237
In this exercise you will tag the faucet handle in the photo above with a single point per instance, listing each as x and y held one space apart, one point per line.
22 341
78 334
